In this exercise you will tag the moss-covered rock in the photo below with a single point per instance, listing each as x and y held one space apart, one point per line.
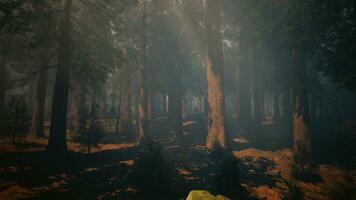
204 195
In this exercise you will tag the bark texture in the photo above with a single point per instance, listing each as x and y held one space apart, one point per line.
57 140
276 112
301 127
175 108
215 70
82 110
258 91
245 114
38 112
126 119
3 81
143 76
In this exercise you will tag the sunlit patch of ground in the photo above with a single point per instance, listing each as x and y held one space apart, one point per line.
335 181
274 169
265 174
91 169
128 162
33 144
189 123
240 140
14 190
268 121
28 144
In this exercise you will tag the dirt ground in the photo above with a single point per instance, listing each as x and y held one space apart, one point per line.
26 172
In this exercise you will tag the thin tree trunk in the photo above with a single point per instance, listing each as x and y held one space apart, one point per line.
126 104
258 107
149 106
37 126
143 76
257 90
175 107
227 104
129 106
164 105
215 70
301 127
287 115
82 111
105 103
3 82
118 111
276 112
57 140
245 83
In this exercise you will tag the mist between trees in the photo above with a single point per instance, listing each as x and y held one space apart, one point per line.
195 72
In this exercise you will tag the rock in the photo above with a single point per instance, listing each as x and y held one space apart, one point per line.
204 195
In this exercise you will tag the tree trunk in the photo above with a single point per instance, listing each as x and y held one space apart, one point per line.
245 82
83 110
149 106
37 126
118 110
143 76
301 128
57 141
276 111
3 82
175 107
126 104
257 90
215 70
105 102
287 115
164 104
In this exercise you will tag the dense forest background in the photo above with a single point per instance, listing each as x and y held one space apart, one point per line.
160 97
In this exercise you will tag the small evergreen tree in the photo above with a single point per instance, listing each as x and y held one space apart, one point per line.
17 117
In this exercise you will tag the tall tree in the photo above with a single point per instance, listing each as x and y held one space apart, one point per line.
125 102
214 68
301 126
57 139
244 77
38 111
143 75
276 102
175 108
257 87
3 77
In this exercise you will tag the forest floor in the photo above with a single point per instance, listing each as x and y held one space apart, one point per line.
27 172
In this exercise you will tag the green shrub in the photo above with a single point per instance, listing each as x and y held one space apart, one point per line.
17 117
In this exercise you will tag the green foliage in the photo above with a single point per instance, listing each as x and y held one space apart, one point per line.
13 17
97 44
17 116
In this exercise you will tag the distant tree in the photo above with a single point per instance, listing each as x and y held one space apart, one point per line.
143 113
43 41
